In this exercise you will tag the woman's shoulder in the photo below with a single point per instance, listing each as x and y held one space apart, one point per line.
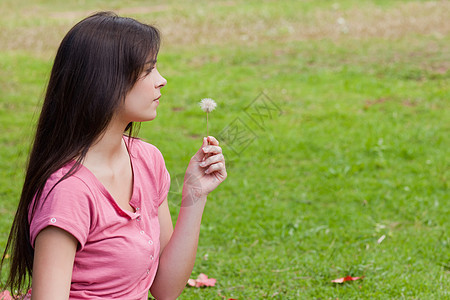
141 148
69 180
67 187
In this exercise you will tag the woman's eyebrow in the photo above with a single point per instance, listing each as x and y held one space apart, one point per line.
151 62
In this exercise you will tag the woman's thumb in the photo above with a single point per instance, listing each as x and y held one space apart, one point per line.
200 153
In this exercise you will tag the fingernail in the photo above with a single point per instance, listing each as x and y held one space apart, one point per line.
202 164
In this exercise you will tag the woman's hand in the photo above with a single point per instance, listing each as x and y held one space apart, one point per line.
206 169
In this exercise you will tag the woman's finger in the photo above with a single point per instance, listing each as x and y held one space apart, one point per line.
212 149
213 141
213 159
220 167
200 153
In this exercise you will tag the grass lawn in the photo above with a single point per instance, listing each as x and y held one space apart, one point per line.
334 119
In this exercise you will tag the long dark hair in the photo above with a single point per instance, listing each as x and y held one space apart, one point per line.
98 62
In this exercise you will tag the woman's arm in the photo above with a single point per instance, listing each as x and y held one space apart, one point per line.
165 225
54 255
178 255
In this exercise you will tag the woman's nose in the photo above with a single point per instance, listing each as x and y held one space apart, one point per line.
161 81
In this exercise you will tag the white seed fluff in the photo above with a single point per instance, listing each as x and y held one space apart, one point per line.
208 105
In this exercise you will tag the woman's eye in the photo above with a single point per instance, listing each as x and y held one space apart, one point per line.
146 72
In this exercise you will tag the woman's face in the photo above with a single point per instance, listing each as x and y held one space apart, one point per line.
143 99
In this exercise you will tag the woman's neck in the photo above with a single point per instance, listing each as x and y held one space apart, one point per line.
108 148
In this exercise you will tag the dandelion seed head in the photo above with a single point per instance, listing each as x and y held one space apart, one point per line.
208 105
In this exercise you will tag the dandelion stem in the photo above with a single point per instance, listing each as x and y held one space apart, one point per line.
207 127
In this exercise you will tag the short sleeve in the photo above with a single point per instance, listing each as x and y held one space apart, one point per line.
164 185
68 206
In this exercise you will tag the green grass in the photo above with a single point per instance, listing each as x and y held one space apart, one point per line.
360 150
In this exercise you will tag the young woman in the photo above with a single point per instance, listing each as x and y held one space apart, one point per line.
93 220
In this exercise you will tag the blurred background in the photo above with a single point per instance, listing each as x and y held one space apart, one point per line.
334 120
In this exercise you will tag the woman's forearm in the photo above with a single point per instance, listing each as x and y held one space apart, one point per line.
177 259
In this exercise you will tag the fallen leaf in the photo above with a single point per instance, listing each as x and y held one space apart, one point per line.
191 282
344 279
5 295
202 280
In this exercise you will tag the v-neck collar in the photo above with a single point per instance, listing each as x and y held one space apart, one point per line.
133 202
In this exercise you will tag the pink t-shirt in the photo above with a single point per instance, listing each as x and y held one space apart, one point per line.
118 251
